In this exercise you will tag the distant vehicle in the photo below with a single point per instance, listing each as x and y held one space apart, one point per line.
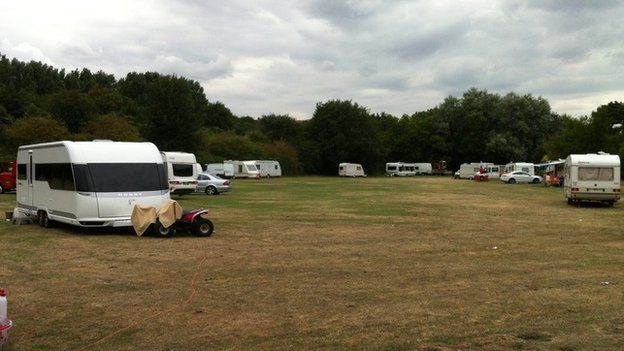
439 168
351 170
89 183
488 172
400 169
244 169
223 170
181 171
468 170
525 167
212 184
423 168
520 177
268 168
592 177
8 178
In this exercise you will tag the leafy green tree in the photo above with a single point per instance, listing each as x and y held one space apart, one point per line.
31 130
218 116
72 107
113 127
344 132
280 127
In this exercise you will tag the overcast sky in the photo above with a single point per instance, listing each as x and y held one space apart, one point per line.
261 57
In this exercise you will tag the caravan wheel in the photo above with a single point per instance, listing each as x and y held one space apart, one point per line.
44 220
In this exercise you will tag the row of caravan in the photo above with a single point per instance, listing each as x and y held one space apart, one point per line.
470 170
97 183
245 169
400 169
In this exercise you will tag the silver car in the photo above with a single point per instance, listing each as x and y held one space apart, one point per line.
212 184
520 177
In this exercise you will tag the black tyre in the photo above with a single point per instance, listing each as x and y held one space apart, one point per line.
1 190
211 190
202 227
44 220
570 201
481 178
536 181
161 231
511 181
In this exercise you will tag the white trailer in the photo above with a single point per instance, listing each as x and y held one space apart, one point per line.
181 171
468 170
89 183
400 169
351 170
423 168
244 169
592 177
268 168
223 170
525 167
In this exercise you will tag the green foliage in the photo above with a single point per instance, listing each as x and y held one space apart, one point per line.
31 130
113 127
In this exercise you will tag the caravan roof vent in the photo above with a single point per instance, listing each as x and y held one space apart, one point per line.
602 153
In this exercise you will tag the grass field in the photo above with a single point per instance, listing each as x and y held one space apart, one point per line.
318 263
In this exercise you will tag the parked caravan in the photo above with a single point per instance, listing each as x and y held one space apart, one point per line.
198 169
89 184
423 168
400 169
181 171
592 177
351 170
223 170
468 170
525 167
268 168
244 169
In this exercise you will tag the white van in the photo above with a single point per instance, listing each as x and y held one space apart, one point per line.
89 183
223 170
525 167
351 170
181 171
244 169
592 177
268 168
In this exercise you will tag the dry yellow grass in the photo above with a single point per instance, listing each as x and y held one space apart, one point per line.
327 263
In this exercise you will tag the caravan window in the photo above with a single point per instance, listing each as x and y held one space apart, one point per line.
595 174
58 175
182 170
21 171
251 168
276 167
390 168
114 177
358 168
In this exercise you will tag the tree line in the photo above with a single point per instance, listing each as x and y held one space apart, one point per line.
40 103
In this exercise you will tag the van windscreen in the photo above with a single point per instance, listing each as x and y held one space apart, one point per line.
114 177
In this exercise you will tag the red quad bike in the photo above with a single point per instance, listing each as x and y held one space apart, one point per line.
191 220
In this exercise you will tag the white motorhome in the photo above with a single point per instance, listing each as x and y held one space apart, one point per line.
592 177
268 168
89 183
181 171
244 169
491 171
400 169
223 170
525 167
351 170
468 170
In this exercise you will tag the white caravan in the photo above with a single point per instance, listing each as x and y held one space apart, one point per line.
592 177
351 170
525 167
423 168
268 168
198 169
244 169
400 169
491 171
181 171
223 170
468 170
89 183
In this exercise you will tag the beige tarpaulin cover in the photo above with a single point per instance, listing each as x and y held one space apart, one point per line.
142 217
169 212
